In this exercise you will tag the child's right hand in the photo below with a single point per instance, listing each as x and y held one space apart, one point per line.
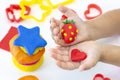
56 25
62 56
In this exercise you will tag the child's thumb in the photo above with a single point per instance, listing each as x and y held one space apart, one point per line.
82 67
86 65
67 11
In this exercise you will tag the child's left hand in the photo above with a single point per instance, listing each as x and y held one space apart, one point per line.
62 56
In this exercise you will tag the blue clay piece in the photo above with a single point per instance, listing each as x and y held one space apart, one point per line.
30 39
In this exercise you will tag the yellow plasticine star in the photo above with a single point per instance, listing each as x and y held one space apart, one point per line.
47 9
61 3
28 2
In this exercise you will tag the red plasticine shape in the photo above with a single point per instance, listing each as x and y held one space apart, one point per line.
10 10
100 77
64 17
69 31
4 44
77 55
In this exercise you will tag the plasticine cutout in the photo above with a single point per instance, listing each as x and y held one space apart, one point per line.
100 77
4 44
77 55
28 77
47 8
28 68
64 17
90 6
30 39
10 10
69 31
61 3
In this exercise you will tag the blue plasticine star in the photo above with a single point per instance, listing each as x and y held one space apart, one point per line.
30 39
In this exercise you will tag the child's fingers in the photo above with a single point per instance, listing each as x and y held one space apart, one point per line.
63 48
59 40
60 57
54 23
63 52
68 65
68 12
56 31
53 20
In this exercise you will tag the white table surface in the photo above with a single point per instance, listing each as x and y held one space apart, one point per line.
49 70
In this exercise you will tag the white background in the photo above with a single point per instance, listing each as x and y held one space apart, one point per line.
49 70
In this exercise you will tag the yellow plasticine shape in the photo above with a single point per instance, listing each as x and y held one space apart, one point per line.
29 68
47 9
28 2
61 3
36 51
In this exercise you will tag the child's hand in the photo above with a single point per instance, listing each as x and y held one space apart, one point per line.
56 26
62 56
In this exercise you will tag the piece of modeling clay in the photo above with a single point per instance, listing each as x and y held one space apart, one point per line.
4 44
65 2
77 55
28 77
69 31
30 39
47 8
64 17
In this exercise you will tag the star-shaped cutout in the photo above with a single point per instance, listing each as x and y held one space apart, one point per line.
47 9
30 39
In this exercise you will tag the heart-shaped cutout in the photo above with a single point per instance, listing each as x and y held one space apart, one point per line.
77 55
100 77
88 11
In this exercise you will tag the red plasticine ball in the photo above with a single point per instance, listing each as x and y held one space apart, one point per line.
69 31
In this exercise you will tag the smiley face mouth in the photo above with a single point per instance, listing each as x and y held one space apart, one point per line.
28 64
